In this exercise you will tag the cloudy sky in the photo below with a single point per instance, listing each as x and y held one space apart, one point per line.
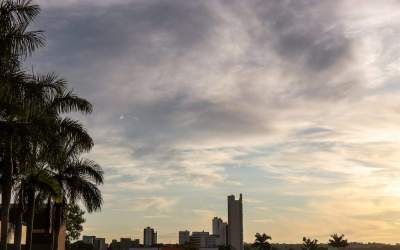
295 104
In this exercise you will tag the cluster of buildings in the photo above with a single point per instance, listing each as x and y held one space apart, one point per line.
223 234
228 233
98 243
123 244
149 240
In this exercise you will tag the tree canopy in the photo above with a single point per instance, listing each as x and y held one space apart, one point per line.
338 241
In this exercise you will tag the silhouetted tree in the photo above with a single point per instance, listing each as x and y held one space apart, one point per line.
338 241
261 242
309 244
73 222
39 146
16 42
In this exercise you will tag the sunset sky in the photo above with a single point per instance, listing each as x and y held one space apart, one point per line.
295 104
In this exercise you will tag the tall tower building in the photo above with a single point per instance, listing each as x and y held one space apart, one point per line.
235 223
149 237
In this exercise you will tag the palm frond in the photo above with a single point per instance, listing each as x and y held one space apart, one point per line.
20 12
86 169
23 42
88 193
77 138
68 102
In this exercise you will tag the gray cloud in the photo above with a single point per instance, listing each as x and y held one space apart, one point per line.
305 32
155 70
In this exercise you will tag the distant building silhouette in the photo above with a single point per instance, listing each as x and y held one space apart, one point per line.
220 230
184 237
203 240
126 243
100 244
115 245
216 225
97 243
149 237
88 239
235 223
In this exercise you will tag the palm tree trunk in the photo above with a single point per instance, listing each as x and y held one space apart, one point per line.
5 211
6 198
5 207
30 219
18 221
18 230
57 225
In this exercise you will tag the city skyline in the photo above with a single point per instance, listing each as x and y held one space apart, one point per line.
221 235
293 103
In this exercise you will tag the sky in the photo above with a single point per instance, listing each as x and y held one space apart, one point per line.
294 103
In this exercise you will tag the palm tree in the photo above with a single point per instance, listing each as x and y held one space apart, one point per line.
261 241
79 178
309 244
15 43
45 98
30 112
338 241
51 126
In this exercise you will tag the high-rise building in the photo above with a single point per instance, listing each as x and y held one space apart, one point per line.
184 236
149 237
220 231
223 237
216 225
235 223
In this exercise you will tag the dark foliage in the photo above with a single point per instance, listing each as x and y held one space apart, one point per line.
73 222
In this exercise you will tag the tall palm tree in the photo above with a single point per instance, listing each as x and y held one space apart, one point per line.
45 98
261 242
49 126
79 179
309 244
41 98
30 112
338 241
16 42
